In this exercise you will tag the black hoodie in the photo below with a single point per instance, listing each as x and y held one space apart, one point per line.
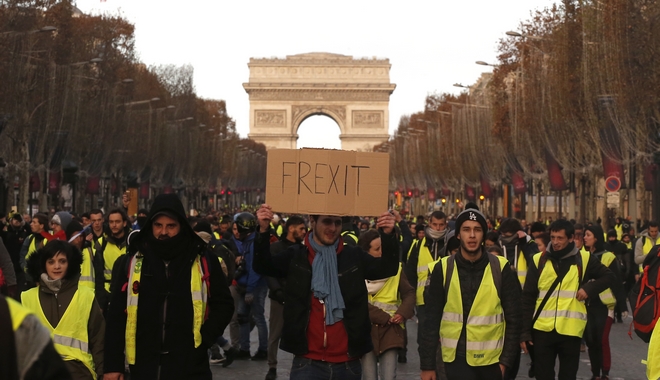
165 343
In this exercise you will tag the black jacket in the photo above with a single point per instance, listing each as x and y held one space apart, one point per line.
276 285
353 267
164 336
595 270
470 275
622 253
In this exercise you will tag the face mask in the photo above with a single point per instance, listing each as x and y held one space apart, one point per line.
509 240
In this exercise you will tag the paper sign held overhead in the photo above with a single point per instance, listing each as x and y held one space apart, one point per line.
327 182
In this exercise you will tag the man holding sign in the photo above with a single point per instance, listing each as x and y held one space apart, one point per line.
326 318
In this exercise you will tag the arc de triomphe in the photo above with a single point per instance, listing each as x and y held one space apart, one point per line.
355 93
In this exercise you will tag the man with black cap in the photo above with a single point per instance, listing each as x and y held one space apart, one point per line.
471 305
182 295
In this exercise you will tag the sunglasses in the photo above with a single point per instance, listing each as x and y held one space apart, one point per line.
329 222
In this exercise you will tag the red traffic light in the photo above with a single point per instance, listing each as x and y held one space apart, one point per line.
410 193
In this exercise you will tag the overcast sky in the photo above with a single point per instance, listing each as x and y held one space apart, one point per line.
430 44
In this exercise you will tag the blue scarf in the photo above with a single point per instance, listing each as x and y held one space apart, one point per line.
325 282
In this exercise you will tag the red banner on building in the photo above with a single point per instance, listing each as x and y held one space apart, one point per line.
470 194
93 185
649 170
35 183
430 193
144 190
518 182
54 180
486 189
557 182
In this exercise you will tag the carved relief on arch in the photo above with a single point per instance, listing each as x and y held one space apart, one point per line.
298 113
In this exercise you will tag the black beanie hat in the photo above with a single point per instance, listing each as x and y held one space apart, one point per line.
471 214
599 235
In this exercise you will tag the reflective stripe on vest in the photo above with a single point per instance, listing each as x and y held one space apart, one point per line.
70 336
198 291
484 324
387 298
110 254
423 260
17 312
607 296
87 269
563 312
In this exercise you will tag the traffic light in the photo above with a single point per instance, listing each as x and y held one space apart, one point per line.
458 200
444 200
409 193
481 198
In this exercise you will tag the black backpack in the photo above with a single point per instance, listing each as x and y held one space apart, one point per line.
644 297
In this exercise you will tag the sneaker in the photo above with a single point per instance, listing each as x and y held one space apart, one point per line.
217 358
272 374
230 354
242 355
260 355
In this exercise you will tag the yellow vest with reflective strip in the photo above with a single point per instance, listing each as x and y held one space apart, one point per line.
607 297
522 268
619 232
563 312
70 336
647 247
199 297
484 324
17 312
653 358
388 298
110 255
423 262
87 269
33 248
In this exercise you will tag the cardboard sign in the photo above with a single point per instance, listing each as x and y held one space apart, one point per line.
327 182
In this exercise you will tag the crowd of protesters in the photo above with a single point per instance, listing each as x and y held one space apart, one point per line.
341 290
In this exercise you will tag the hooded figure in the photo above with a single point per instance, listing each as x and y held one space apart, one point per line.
164 340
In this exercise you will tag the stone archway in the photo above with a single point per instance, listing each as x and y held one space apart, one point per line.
355 93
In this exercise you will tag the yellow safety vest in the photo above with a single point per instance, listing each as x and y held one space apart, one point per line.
522 268
607 296
563 312
484 324
217 235
199 297
70 335
17 312
647 247
423 262
349 234
33 248
388 298
87 269
619 232
110 254
653 358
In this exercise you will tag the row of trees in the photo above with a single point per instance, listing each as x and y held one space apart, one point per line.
576 85
75 100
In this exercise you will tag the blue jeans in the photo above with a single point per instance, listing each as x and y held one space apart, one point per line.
258 313
386 361
308 369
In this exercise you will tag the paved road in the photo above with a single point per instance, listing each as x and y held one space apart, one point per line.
626 359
